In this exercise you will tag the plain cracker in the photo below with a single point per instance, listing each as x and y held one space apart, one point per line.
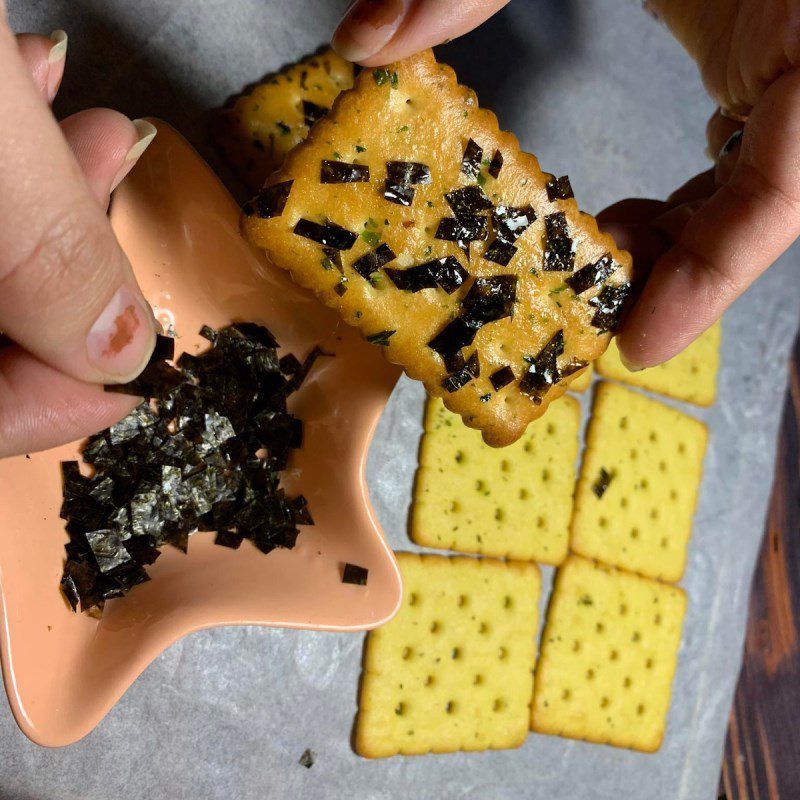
654 455
608 656
415 111
260 128
511 503
689 376
454 669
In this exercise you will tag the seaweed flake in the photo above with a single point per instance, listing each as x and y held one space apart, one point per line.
609 306
446 273
469 201
462 230
559 249
373 260
471 160
329 235
352 573
592 274
490 299
343 172
501 377
559 189
496 164
543 369
270 201
312 112
464 375
602 482
381 338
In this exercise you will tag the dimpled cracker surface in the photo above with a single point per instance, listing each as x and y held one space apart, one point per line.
608 656
653 455
511 503
260 128
690 376
414 112
454 669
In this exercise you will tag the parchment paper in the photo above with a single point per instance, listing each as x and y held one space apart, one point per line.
595 88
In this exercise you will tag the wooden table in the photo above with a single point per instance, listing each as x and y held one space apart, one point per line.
762 752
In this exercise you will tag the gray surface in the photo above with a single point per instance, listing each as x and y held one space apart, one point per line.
226 713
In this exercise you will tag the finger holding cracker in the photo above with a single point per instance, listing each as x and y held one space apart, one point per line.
409 212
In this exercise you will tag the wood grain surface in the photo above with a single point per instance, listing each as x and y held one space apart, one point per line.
762 752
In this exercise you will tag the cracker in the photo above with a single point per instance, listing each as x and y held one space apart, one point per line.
608 657
457 273
453 670
512 503
584 379
639 483
260 128
690 376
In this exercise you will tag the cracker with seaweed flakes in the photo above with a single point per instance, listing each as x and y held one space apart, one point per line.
691 375
512 240
260 128
608 656
510 503
453 670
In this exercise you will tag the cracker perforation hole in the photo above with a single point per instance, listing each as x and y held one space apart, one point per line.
407 654
502 653
499 705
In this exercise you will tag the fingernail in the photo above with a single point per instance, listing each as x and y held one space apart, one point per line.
122 338
367 27
147 132
57 54
733 142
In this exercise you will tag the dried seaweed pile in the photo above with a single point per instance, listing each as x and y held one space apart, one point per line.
203 453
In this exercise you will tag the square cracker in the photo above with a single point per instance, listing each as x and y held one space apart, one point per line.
690 376
511 503
259 129
454 669
608 656
415 111
654 455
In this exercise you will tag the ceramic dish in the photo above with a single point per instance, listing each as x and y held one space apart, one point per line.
64 671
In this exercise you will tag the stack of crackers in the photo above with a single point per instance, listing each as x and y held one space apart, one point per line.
515 273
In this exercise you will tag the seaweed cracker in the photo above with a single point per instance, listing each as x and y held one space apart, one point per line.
260 128
607 657
453 670
480 263
689 376
205 454
510 503
639 483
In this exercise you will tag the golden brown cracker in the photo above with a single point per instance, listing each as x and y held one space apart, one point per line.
414 112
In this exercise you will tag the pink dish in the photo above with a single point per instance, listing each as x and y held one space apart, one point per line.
64 671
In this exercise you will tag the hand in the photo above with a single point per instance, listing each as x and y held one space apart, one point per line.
69 302
703 247
719 232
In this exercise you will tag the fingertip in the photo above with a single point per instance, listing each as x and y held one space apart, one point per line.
44 58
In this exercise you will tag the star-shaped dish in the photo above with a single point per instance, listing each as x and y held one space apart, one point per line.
64 671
